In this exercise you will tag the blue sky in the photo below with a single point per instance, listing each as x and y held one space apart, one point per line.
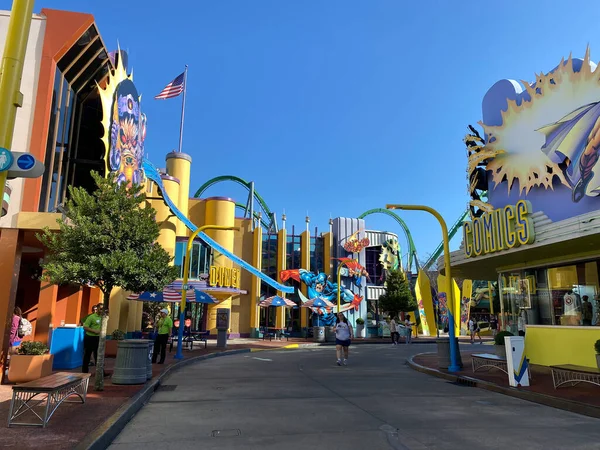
335 107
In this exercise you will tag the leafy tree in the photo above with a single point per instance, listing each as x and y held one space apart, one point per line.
107 239
398 296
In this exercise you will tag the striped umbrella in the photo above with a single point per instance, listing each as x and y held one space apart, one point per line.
276 300
167 295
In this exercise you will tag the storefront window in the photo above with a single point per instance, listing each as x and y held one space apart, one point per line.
565 295
200 259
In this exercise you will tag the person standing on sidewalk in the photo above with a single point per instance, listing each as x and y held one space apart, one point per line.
14 340
408 324
343 338
394 332
164 326
94 311
91 325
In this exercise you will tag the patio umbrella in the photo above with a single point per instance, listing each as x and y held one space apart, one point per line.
276 300
318 303
172 296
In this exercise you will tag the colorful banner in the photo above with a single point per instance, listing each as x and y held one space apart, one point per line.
441 281
467 292
425 303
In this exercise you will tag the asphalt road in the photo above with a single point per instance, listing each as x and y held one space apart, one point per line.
300 399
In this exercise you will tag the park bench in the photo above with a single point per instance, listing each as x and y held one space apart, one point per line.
490 361
42 397
573 374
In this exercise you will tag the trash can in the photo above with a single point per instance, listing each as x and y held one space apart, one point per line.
443 352
330 334
319 334
131 366
149 361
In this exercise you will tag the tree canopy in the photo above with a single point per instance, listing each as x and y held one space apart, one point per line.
398 296
107 239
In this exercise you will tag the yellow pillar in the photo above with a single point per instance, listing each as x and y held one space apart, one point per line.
179 166
304 264
281 265
327 253
167 221
220 211
257 237
139 310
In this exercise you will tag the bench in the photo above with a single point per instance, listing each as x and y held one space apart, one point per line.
53 391
489 360
573 374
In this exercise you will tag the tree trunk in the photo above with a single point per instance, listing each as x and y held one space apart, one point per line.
99 379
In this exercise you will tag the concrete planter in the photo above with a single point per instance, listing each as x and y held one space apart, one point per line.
598 360
500 351
24 368
360 331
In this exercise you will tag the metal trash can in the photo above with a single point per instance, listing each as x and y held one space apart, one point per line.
131 366
319 334
443 352
149 362
330 334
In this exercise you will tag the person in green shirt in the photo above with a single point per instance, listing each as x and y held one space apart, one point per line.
164 325
91 339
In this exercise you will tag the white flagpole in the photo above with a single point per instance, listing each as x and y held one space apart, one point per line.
183 107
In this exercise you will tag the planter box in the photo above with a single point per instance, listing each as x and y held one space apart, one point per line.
598 360
110 348
360 331
500 351
24 368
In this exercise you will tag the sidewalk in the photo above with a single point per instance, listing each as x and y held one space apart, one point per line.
583 398
73 421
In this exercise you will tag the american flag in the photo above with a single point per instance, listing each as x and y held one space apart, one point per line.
173 89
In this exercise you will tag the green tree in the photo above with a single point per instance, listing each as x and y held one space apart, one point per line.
398 296
107 239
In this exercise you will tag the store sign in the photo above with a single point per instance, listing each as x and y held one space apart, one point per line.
499 229
224 277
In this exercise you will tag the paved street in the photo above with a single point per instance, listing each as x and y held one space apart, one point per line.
300 399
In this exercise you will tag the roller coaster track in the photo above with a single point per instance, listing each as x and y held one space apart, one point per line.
412 250
440 248
153 174
269 223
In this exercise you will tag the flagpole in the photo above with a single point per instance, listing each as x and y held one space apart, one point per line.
183 107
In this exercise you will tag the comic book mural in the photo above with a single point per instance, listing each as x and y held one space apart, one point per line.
425 304
467 291
355 245
390 255
541 142
124 126
319 287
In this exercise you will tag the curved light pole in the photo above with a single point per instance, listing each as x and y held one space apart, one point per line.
184 287
454 366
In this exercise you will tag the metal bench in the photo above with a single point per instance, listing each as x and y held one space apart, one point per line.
52 390
490 361
573 374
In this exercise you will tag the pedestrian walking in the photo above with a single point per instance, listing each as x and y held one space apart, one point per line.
408 324
91 325
14 340
474 330
343 339
394 332
494 324
164 326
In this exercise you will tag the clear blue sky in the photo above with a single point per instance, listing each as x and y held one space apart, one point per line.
338 106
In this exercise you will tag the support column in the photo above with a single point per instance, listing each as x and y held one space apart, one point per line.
257 238
139 310
10 265
327 253
179 166
304 264
281 265
74 301
46 310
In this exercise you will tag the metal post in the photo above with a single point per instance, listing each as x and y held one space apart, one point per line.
454 366
183 108
184 287
11 72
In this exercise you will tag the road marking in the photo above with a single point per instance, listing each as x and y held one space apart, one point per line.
262 359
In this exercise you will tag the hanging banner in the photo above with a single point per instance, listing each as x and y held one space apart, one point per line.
467 292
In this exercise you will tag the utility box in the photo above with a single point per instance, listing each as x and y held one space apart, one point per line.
516 362
223 315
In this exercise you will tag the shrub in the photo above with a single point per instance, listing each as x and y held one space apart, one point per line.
118 335
360 321
499 338
597 346
33 348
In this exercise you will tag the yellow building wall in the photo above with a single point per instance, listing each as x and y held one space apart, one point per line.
327 253
304 264
220 211
179 166
281 265
556 345
166 220
241 305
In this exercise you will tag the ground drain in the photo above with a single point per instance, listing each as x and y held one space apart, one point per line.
226 433
465 382
167 387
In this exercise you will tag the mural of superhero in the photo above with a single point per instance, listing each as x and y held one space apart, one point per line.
319 286
389 256
127 134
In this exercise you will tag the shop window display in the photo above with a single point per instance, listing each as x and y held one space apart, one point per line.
567 295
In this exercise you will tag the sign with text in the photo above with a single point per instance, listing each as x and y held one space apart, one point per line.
500 229
224 277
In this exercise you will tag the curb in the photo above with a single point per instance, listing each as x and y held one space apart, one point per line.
104 434
534 397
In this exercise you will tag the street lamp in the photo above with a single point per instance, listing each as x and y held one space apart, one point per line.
454 366
184 287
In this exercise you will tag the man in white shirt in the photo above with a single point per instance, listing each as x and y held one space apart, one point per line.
394 332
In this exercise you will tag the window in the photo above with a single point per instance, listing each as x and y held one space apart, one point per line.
200 259
269 263
562 295
292 251
373 266
317 254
